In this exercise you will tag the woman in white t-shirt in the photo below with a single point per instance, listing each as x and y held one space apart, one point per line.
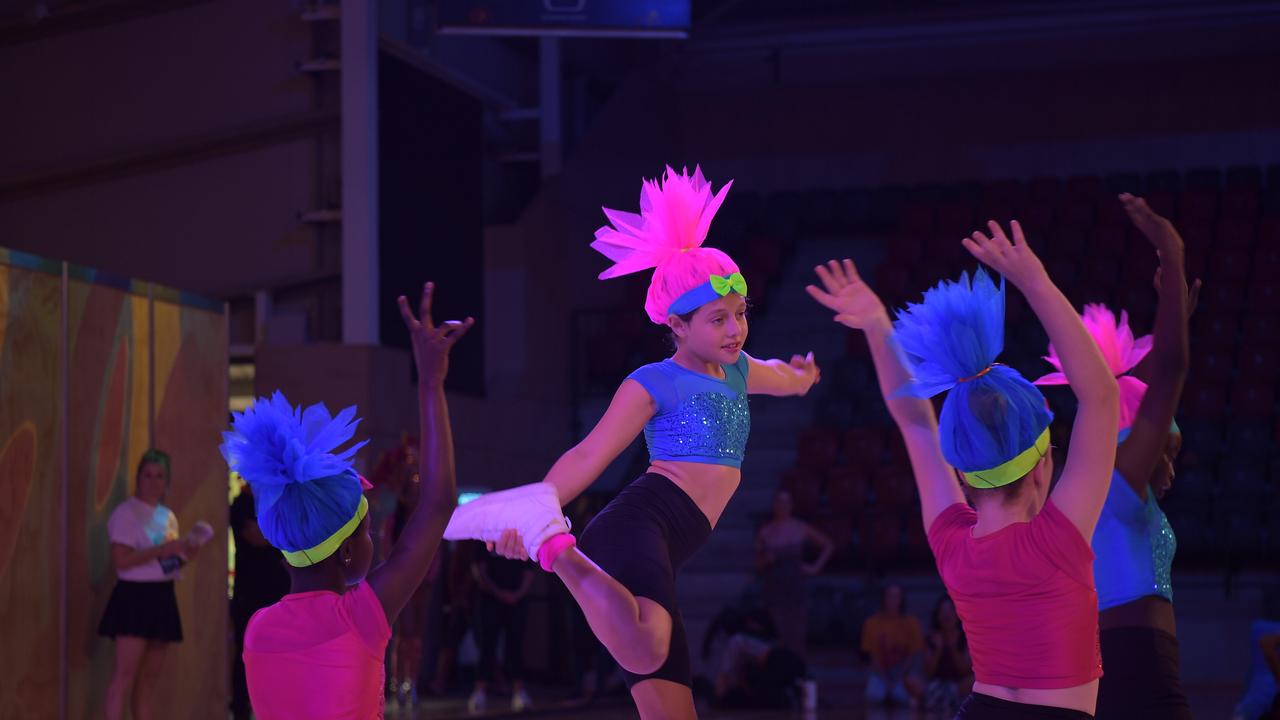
142 614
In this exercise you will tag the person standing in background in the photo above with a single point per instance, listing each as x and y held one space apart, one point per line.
784 575
142 614
892 639
503 607
261 580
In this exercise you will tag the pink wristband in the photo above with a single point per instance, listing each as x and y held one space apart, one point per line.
551 549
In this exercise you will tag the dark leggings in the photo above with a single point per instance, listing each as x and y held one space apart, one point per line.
641 539
499 619
984 707
1140 675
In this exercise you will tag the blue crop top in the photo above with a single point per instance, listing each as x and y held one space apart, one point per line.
700 418
1133 547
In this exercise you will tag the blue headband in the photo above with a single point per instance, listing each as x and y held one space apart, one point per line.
711 290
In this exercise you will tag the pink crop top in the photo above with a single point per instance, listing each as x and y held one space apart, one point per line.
1026 596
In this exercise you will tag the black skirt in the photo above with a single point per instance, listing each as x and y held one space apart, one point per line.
147 610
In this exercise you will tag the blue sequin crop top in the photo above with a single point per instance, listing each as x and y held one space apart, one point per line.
1133 547
700 419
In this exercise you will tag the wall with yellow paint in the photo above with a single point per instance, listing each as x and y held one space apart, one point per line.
137 366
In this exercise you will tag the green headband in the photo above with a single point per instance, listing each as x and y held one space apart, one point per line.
1012 470
328 546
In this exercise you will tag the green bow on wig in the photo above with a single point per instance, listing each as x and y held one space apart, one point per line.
723 285
714 288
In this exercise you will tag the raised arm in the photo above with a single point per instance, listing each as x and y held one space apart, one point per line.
395 581
857 306
1170 354
778 377
1086 477
631 408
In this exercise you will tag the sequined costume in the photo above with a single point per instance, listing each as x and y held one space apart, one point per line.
1135 547
699 418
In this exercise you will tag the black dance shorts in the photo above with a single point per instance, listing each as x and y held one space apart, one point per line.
984 707
1140 675
641 539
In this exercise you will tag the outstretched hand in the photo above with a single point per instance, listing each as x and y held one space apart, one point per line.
431 342
1013 259
806 369
843 292
1157 229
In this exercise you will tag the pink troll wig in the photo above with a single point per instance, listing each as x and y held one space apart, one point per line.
1121 352
667 235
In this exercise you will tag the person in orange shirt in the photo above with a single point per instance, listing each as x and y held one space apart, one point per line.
892 639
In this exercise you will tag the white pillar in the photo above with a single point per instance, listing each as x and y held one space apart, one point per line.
550 131
359 172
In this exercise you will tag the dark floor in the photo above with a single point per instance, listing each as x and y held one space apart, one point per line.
1207 703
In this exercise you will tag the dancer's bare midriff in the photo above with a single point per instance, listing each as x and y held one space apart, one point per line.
1081 697
709 486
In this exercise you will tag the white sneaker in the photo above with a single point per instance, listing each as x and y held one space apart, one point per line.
532 510
478 702
520 701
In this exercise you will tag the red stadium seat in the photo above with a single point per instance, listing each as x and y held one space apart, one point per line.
1076 212
1261 330
1198 205
1163 202
1266 259
1230 265
1044 188
917 217
817 449
864 446
1264 295
1223 298
847 487
1211 363
1254 399
1259 362
895 486
1236 233
1010 192
1035 216
1219 331
1205 401
1083 186
1241 202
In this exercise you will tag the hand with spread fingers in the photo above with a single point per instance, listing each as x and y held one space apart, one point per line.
1013 259
843 292
431 342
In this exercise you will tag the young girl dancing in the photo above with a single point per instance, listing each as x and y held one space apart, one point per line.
1017 563
319 652
693 410
1134 542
